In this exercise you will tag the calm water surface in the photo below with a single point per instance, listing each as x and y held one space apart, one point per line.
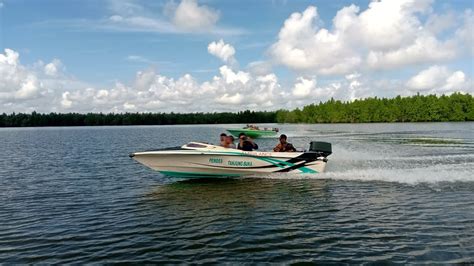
392 192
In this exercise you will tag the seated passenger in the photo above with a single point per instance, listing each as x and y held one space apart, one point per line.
284 146
246 143
223 139
229 142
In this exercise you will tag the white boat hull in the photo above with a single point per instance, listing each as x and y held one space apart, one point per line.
214 161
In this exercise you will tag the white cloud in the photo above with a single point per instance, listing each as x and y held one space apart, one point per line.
187 17
465 33
221 50
428 79
260 67
388 34
29 88
229 76
137 58
387 24
45 87
424 49
37 87
230 99
153 92
65 102
353 76
53 68
191 16
438 23
439 79
129 106
144 60
353 50
456 82
135 23
353 86
303 87
17 83
302 46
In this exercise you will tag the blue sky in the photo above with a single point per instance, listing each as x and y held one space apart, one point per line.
35 28
102 45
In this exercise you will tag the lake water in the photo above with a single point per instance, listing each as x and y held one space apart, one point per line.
391 192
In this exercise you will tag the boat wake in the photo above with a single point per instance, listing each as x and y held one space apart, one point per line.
387 167
430 174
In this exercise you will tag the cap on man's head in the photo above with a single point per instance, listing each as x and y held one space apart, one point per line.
223 135
283 136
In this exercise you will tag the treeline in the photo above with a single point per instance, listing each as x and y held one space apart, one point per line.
418 108
98 119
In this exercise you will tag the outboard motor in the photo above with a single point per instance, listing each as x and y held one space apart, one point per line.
324 149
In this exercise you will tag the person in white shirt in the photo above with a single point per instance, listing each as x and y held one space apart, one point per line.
229 142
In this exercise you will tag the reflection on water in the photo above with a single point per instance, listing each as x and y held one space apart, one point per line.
392 193
309 219
217 195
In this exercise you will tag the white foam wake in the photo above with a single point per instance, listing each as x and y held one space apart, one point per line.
429 174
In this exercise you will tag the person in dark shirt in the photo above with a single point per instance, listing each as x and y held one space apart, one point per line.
246 143
284 146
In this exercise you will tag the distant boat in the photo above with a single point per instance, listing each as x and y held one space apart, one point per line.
253 131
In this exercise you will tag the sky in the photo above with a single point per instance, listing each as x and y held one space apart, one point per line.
209 55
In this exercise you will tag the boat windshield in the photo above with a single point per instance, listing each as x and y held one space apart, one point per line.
195 145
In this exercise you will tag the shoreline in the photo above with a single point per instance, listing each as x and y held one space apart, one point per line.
273 123
456 107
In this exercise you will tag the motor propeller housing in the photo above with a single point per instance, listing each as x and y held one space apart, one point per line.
321 147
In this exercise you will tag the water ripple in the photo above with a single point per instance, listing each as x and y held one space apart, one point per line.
71 195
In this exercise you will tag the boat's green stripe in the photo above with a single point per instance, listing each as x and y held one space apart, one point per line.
281 163
302 169
273 161
194 174
307 170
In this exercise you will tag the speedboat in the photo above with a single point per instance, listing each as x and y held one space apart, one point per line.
195 160
253 131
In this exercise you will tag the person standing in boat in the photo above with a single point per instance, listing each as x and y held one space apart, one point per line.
284 146
246 143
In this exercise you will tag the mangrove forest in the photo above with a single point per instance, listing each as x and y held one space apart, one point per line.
418 108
